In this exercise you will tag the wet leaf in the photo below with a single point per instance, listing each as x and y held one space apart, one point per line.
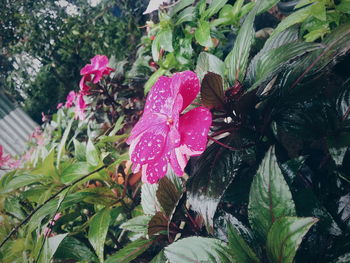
285 236
269 198
198 249
212 91
98 229
167 195
157 224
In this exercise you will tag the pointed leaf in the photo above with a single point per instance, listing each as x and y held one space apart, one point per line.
130 251
270 197
198 249
98 231
285 236
160 258
202 34
212 91
209 63
237 60
213 8
149 201
167 195
92 154
239 248
137 224
157 224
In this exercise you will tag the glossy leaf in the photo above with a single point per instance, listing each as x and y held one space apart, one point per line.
74 171
73 249
157 224
138 224
269 198
207 62
130 251
285 236
213 8
212 91
167 195
237 60
98 228
197 249
213 173
239 248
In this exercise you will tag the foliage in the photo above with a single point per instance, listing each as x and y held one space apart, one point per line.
271 186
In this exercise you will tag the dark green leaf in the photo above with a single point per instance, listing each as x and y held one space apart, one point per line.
343 101
270 197
285 236
92 154
167 195
239 248
212 91
160 258
74 171
213 8
98 228
137 224
213 173
198 249
74 249
130 251
21 180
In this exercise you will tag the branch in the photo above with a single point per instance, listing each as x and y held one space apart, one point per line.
15 229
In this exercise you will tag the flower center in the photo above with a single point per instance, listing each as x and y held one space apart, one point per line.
169 121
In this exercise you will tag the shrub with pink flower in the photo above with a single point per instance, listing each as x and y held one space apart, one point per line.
163 135
93 72
70 99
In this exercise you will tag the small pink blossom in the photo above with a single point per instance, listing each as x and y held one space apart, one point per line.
80 107
59 105
70 99
48 229
94 71
162 135
6 161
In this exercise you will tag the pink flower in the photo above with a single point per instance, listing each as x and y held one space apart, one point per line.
70 99
162 135
6 161
44 118
97 68
59 105
48 229
80 107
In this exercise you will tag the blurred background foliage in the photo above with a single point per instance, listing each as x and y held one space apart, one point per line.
44 43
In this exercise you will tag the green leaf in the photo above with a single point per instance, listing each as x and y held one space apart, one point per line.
153 79
47 167
212 175
92 154
198 249
285 236
296 17
74 171
237 60
178 6
239 248
269 198
62 145
213 8
167 195
207 62
202 34
73 249
318 10
117 126
21 180
130 251
212 90
149 201
98 229
266 5
344 6
165 38
79 150
137 224
186 15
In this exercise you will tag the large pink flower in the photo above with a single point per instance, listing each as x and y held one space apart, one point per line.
162 135
97 68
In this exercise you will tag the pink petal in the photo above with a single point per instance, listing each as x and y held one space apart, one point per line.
87 69
161 98
188 86
152 172
178 161
99 61
194 128
149 146
83 87
97 77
